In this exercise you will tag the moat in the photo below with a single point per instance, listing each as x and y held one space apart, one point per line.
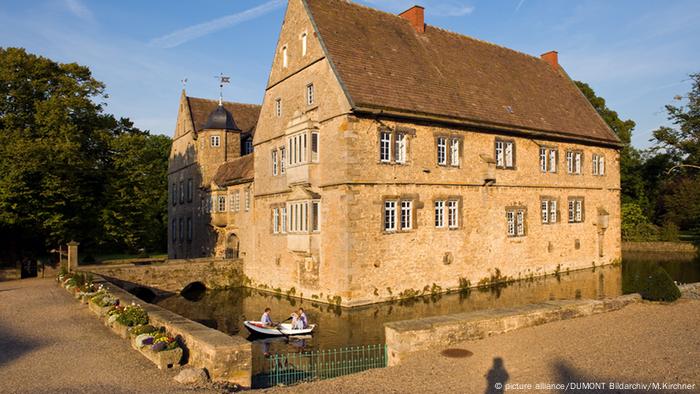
225 310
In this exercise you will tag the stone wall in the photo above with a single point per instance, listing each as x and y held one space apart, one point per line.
226 358
659 247
174 275
405 337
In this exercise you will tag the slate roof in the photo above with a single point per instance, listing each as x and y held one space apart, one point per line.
384 64
238 170
244 115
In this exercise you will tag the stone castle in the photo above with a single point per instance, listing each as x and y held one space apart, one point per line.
391 158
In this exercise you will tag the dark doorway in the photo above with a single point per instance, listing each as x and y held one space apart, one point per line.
232 244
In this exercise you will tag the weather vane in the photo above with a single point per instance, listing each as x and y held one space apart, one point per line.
222 80
184 83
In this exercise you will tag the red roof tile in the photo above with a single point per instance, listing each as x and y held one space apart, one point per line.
237 170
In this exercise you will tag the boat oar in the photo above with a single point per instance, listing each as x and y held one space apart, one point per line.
280 323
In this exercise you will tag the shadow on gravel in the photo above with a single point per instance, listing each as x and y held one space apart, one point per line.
496 377
13 345
575 381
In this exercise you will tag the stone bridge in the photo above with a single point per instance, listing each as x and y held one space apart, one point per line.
148 280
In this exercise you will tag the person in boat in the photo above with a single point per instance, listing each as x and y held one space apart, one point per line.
303 321
266 319
295 321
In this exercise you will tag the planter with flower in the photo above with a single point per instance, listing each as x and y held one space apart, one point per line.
102 302
123 318
159 347
86 292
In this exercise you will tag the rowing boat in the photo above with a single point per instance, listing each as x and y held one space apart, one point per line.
256 327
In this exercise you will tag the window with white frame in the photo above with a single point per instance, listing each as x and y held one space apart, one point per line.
400 148
247 199
315 216
215 141
385 146
453 214
314 146
236 205
576 207
275 220
298 216
454 152
515 218
274 162
283 159
598 165
303 44
390 215
505 154
285 58
221 203
441 151
548 210
573 162
278 107
310 94
406 215
548 159
296 146
440 213
283 219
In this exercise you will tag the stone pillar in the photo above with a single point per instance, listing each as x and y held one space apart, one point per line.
72 255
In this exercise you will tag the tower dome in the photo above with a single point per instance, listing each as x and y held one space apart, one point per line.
221 118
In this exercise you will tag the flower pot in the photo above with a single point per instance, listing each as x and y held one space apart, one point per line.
120 329
85 298
164 359
100 311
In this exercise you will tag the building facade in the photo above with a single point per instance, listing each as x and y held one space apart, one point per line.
393 158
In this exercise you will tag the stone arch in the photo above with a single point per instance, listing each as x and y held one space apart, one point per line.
144 293
232 246
193 291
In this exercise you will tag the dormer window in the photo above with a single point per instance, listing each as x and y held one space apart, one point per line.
310 94
285 60
215 141
303 44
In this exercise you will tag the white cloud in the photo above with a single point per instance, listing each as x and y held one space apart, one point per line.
79 9
190 33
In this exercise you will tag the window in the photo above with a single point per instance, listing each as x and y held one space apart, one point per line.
389 215
236 205
283 158
314 146
274 162
310 94
190 190
181 230
400 148
248 145
406 215
215 141
189 229
247 199
173 194
576 207
285 59
515 218
454 152
174 230
505 154
298 216
221 204
548 159
452 214
296 145
278 107
385 146
315 216
548 210
441 151
573 162
440 214
275 220
284 219
182 192
598 165
303 44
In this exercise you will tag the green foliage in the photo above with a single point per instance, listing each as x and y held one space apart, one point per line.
651 281
142 329
635 225
133 315
70 171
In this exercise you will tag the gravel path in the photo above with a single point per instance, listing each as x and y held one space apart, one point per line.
641 343
51 343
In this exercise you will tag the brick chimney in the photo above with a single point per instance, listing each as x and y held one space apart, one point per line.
416 16
551 57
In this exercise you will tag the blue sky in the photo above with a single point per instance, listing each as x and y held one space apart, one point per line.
635 53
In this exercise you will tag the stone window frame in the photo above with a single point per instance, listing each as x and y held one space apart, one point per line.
515 209
582 201
285 56
215 141
182 191
275 162
283 158
278 207
173 194
247 199
189 231
315 156
449 137
548 159
220 203
598 164
310 94
557 210
504 141
304 38
190 189
409 134
181 229
399 199
278 107
574 152
446 199
315 218
173 230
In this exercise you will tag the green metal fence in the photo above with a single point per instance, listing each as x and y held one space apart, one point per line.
290 368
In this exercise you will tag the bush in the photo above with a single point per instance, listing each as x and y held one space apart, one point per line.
651 281
669 232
